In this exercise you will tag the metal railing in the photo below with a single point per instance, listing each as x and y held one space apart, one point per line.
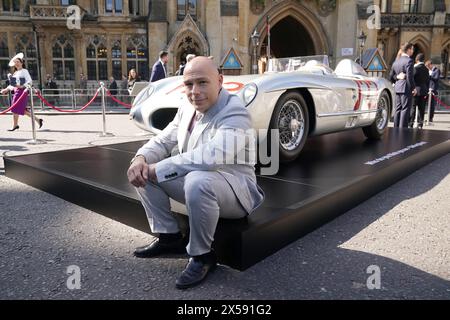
444 97
72 99
392 20
51 12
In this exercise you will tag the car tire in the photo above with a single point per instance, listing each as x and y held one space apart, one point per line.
291 118
376 130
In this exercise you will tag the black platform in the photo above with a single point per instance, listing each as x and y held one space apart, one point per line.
332 175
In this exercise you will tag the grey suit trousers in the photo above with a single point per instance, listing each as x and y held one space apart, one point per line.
403 103
207 196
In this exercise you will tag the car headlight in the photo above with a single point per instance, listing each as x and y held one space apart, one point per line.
143 95
249 93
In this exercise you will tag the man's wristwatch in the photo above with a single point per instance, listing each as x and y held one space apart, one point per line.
135 157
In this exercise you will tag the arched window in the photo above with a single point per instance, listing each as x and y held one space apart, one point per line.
4 56
186 6
411 6
25 43
134 7
114 6
68 2
116 59
96 56
385 6
63 59
445 62
137 56
11 6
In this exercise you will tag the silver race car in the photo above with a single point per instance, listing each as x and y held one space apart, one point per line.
299 96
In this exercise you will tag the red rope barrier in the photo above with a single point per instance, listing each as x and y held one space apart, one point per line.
118 101
440 102
62 110
18 100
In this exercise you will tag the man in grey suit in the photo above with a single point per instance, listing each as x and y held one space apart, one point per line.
213 177
402 75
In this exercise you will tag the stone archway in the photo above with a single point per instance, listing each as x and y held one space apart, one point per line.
187 39
294 25
187 44
421 45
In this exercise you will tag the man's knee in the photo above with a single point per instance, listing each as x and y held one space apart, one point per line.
147 191
198 183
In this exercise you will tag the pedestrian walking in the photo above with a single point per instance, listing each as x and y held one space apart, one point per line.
17 82
159 70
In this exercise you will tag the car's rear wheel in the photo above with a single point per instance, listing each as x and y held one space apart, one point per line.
378 127
290 117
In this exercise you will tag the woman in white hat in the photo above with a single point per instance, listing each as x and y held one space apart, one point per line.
18 80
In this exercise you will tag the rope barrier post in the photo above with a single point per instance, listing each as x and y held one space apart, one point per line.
430 96
33 123
104 133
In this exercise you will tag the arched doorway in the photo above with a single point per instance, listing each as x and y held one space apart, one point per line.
294 31
187 39
188 45
282 35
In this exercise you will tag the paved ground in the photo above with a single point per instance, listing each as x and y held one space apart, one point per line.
403 230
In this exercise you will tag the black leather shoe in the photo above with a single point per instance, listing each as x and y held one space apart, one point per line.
160 246
15 128
196 270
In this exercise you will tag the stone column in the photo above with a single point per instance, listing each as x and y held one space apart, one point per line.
214 29
347 29
126 8
437 40
244 36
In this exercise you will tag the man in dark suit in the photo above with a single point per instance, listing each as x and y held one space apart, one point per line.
435 75
402 75
52 89
421 79
159 70
113 90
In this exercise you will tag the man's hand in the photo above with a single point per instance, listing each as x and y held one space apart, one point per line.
138 172
414 92
401 76
4 91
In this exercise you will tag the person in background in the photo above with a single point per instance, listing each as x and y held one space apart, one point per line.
132 79
124 86
52 89
435 75
402 75
159 70
83 82
422 80
180 71
113 89
18 81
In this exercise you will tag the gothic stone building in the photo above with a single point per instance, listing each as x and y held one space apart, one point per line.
112 36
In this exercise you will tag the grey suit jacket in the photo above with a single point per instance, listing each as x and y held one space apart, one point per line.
219 142
406 65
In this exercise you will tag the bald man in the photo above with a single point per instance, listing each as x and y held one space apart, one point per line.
210 175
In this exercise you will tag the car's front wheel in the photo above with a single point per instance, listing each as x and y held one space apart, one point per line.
290 117
378 127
